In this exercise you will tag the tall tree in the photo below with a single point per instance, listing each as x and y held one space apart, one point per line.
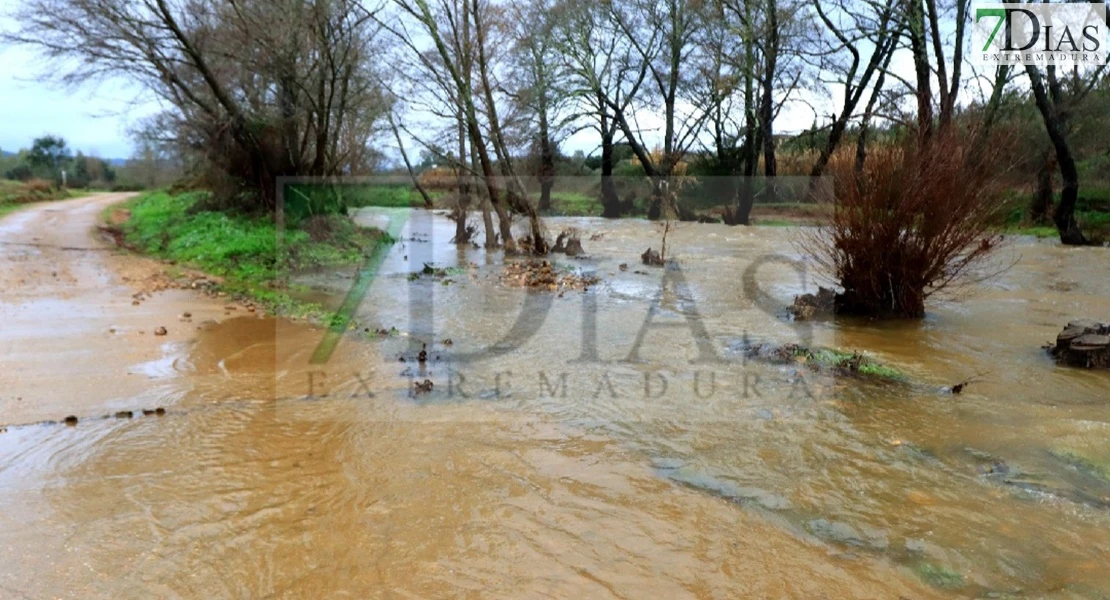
1055 102
301 102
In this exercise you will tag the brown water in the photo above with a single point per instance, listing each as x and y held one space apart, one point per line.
803 486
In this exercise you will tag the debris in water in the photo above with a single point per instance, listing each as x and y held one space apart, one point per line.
423 356
422 387
623 266
959 387
541 274
1083 343
124 414
808 306
651 258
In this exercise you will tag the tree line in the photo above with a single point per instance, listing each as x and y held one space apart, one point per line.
254 91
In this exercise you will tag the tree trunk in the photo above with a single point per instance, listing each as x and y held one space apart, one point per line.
746 196
1042 196
767 103
919 48
610 203
462 180
1069 194
547 157
408 165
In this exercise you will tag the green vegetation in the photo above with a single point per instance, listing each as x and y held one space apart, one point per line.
244 249
827 359
14 194
1085 461
1092 212
836 359
573 204
939 576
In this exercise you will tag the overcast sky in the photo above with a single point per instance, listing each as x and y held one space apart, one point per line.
92 119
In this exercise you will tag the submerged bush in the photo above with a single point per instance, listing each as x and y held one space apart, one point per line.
915 221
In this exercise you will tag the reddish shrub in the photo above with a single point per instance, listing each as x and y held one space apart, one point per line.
38 186
916 221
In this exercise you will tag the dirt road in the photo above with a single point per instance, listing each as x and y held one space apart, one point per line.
73 341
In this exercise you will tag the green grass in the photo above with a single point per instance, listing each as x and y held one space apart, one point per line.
242 249
836 359
395 196
939 576
572 204
1092 212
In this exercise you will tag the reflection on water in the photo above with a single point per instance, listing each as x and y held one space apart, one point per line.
596 452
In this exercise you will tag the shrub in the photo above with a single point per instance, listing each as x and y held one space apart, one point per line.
916 221
38 186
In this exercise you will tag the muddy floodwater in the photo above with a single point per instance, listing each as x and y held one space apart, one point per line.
612 442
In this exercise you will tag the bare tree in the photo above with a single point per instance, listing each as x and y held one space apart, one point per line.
301 101
603 80
661 35
461 65
853 66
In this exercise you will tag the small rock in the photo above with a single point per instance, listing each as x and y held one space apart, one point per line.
71 420
623 266
160 331
651 258
124 414
187 315
159 411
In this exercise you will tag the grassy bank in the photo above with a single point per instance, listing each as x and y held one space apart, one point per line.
14 194
1092 212
243 250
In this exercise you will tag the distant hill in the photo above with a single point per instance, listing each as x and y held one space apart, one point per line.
115 162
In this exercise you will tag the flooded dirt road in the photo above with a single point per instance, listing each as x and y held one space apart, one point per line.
566 457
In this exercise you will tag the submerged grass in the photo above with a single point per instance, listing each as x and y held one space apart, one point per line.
859 363
245 250
939 576
1087 462
828 359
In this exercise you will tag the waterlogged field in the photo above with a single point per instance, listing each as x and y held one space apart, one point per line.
616 440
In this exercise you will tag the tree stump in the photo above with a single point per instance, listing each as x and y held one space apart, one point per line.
1083 343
